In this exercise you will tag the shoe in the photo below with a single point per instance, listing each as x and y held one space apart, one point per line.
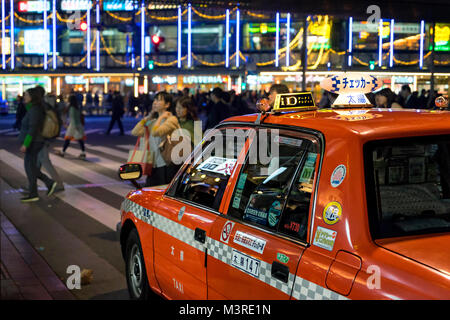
51 190
29 199
82 156
25 190
59 188
60 153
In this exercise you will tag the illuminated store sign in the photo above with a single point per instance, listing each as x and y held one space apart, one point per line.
442 37
36 41
204 79
118 5
162 80
75 5
33 6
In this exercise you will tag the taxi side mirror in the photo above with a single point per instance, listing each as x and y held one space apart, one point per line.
131 172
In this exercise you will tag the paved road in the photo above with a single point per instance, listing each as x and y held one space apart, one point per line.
77 226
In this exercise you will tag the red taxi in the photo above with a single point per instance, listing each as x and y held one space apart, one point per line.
336 204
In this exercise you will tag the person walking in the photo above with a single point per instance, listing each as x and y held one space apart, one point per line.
20 113
32 142
43 156
117 113
160 123
75 130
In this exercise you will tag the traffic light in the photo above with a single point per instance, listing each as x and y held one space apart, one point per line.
83 26
151 65
156 40
372 65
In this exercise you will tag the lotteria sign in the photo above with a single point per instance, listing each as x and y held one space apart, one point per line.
34 6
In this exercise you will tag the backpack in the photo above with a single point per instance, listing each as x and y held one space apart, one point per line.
52 124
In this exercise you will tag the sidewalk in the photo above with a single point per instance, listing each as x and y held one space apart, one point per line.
24 273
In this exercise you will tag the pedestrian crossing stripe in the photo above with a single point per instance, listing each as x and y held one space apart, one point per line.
299 288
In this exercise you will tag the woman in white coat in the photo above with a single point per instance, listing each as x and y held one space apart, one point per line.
75 130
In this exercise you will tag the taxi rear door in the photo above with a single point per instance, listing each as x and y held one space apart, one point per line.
254 249
188 211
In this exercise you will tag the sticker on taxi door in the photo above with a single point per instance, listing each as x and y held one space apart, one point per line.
226 231
325 238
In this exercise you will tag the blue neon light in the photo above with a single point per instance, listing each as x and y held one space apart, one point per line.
88 38
422 32
13 58
3 36
277 40
350 40
380 43
237 37
391 52
55 58
45 32
179 37
189 36
142 35
227 39
288 38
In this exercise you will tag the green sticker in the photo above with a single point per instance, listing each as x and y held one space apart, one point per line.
282 258
239 187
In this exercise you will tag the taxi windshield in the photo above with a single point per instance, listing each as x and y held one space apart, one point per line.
408 186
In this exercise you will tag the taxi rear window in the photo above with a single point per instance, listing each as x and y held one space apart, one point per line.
408 186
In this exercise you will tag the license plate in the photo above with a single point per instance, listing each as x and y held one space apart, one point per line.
245 263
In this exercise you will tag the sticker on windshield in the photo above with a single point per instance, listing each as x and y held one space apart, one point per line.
338 175
274 213
218 165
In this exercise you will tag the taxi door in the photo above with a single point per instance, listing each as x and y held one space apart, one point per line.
187 213
255 248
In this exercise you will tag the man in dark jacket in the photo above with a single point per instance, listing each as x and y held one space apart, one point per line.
32 142
218 109
117 113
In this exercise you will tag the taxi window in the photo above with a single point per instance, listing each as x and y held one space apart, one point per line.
205 179
262 188
408 186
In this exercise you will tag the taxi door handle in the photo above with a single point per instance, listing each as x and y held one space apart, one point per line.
200 235
280 271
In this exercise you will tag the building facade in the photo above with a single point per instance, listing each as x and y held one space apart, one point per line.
95 45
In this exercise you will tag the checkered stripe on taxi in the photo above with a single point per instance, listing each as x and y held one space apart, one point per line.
223 252
302 289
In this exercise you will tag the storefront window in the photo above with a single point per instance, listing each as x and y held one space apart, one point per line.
73 42
206 37
116 41
32 41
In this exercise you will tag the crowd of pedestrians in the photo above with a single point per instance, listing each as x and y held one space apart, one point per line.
161 114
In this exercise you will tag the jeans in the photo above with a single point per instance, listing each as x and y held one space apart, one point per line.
44 161
32 170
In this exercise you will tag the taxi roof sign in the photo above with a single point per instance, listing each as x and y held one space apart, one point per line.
351 88
296 101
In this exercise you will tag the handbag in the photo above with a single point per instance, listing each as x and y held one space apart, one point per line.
167 146
142 155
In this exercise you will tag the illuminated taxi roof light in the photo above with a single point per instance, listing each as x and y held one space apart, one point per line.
351 88
296 101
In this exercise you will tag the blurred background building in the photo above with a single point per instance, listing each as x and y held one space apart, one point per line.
136 46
